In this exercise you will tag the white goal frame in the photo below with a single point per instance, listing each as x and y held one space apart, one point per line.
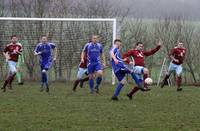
113 20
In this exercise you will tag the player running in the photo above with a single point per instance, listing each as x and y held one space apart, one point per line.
44 50
177 56
94 52
138 55
11 53
120 69
82 74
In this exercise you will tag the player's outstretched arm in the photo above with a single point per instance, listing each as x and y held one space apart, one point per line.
154 50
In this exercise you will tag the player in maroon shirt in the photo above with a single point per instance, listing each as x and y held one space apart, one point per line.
138 55
177 56
11 53
82 74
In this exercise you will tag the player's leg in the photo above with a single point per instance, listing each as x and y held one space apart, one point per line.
91 70
99 74
121 78
44 80
83 80
138 80
11 75
145 75
137 76
179 70
170 70
80 75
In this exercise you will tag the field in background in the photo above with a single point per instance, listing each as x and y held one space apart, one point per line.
25 108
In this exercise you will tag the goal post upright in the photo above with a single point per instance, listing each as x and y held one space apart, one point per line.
113 20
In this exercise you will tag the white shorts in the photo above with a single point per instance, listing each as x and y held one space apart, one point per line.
138 72
81 73
175 68
12 66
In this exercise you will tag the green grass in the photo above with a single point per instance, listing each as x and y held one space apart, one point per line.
25 108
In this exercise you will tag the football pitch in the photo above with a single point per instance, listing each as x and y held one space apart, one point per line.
25 109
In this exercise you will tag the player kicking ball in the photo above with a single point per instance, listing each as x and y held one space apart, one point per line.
94 52
138 54
177 56
44 51
11 53
120 69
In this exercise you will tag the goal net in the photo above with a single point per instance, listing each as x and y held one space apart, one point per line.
69 34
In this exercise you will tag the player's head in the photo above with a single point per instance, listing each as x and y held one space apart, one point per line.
180 44
118 43
139 46
94 38
14 39
44 39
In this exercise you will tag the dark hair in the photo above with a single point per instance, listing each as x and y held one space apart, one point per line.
117 40
43 36
138 43
13 36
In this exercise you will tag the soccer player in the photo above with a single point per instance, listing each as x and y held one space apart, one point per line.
177 56
120 69
138 55
94 52
19 69
82 72
11 53
44 50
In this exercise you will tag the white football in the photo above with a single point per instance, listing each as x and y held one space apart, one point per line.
148 81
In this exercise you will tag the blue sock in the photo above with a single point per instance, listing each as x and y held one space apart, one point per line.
44 77
98 82
137 80
91 85
118 89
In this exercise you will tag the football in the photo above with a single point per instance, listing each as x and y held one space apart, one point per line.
148 81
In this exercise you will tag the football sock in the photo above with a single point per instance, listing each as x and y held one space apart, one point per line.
91 85
118 89
133 91
98 81
166 77
44 77
11 79
178 81
76 82
137 80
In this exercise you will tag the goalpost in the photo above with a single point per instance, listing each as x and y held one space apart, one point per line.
60 30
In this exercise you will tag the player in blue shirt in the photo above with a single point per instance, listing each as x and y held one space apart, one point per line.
94 52
44 50
120 69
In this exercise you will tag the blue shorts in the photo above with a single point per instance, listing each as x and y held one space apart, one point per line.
45 65
12 66
177 68
120 74
92 67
